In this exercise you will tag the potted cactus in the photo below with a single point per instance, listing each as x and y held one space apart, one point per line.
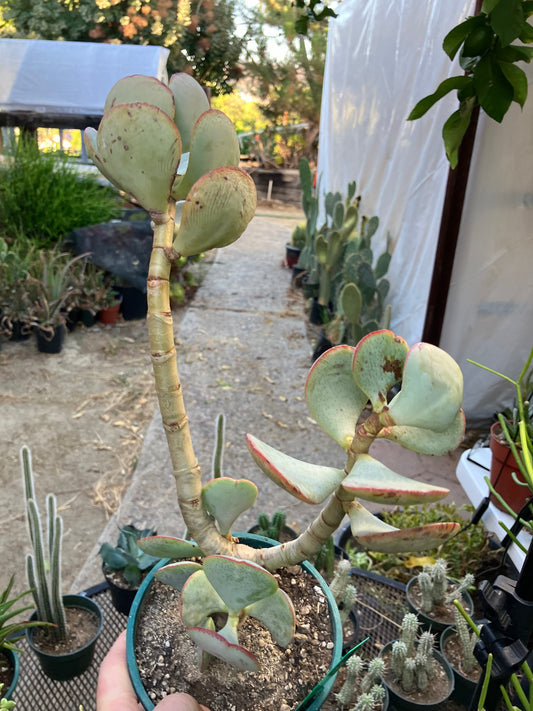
416 675
274 528
457 644
66 648
363 689
431 595
220 583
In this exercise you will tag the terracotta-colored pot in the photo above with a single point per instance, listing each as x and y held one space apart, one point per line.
503 464
109 314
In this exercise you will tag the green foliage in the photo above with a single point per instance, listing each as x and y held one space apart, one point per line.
126 556
492 79
298 236
245 115
42 197
287 80
468 551
518 427
312 11
12 632
15 266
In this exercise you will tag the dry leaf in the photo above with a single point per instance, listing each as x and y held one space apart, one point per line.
283 398
281 424
265 414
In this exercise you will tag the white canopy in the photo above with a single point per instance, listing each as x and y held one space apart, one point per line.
44 76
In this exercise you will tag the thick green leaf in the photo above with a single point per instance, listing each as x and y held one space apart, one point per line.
199 600
456 36
226 499
444 88
277 614
177 574
373 481
432 390
137 87
190 101
138 148
321 248
382 265
427 441
507 19
238 582
518 80
454 130
311 483
378 364
351 302
332 395
115 559
214 644
218 209
214 144
168 547
526 34
494 92
371 227
488 6
376 535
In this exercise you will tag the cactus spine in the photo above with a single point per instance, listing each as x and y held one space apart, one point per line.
46 586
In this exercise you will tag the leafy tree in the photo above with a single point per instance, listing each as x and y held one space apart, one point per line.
200 35
492 79
287 74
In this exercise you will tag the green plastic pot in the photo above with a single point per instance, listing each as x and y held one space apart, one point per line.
433 624
465 688
255 542
404 703
61 667
13 660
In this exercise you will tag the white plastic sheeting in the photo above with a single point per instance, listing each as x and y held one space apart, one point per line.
489 312
69 77
382 58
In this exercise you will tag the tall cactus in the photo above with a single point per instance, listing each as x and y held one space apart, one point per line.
44 575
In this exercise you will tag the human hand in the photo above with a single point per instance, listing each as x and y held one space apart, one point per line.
115 692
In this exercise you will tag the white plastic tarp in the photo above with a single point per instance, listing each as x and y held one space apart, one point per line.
69 77
382 58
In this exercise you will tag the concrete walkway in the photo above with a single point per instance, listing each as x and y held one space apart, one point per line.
243 350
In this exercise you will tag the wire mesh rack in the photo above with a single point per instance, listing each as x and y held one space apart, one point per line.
35 690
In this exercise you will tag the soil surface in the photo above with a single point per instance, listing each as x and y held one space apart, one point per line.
83 414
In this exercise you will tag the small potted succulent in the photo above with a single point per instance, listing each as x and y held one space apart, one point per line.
363 689
15 316
10 633
125 565
431 595
110 308
219 581
457 644
66 648
510 477
274 528
416 675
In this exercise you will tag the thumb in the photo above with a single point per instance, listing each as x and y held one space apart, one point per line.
179 702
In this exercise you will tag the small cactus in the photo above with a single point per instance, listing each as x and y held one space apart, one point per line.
364 685
412 668
44 575
271 528
468 640
341 578
434 586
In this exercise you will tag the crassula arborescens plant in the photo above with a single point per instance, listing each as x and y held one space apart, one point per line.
179 159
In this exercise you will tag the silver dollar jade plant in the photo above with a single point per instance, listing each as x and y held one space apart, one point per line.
179 159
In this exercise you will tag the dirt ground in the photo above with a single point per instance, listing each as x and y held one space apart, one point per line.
83 414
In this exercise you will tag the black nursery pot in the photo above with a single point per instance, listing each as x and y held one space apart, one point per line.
122 598
323 344
134 303
54 344
61 667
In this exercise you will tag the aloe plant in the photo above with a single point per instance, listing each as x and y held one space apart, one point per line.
179 160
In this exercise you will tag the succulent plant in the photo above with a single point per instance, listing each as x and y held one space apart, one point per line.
363 680
126 556
271 528
412 663
468 640
6 704
44 573
12 632
202 200
434 586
